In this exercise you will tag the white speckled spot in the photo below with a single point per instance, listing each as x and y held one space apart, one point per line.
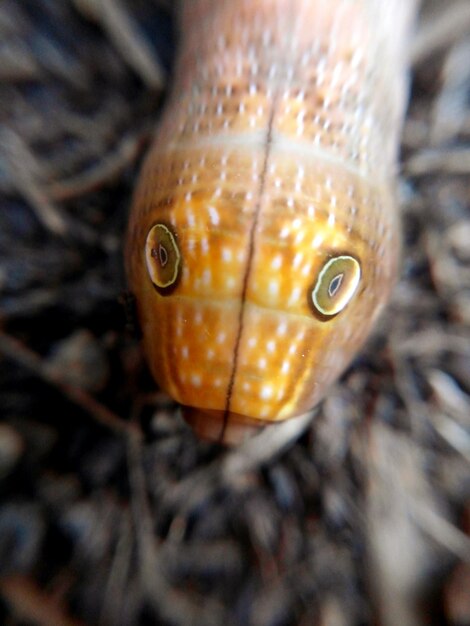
221 337
295 295
226 255
184 352
196 380
262 363
190 217
276 262
266 392
273 288
285 367
297 260
214 215
317 240
252 341
271 346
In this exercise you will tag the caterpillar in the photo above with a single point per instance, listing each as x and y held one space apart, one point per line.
264 236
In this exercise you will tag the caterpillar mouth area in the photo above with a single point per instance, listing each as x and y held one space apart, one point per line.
218 426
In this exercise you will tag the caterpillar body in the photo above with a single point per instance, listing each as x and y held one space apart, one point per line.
264 234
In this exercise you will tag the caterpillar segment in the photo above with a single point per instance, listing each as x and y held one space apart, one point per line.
264 235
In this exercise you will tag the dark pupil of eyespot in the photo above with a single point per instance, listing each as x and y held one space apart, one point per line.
334 285
160 253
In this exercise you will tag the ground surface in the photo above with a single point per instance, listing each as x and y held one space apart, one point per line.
111 512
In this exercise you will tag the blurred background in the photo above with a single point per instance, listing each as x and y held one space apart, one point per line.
111 512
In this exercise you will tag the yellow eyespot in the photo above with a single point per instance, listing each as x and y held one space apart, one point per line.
162 256
336 285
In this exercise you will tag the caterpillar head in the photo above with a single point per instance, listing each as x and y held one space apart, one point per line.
251 305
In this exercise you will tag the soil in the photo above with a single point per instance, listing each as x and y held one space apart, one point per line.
111 511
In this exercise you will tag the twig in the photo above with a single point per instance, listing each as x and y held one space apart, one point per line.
18 352
127 38
440 30
25 173
177 608
266 446
105 171
432 161
30 604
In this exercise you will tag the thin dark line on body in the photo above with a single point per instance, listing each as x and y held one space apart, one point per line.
251 251
288 27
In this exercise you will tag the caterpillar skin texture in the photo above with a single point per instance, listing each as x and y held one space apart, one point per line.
264 235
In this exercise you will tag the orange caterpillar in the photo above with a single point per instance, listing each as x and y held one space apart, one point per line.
264 238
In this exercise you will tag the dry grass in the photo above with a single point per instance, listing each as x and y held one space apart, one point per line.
111 512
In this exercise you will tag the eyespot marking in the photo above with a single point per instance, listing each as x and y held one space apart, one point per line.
336 284
162 256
